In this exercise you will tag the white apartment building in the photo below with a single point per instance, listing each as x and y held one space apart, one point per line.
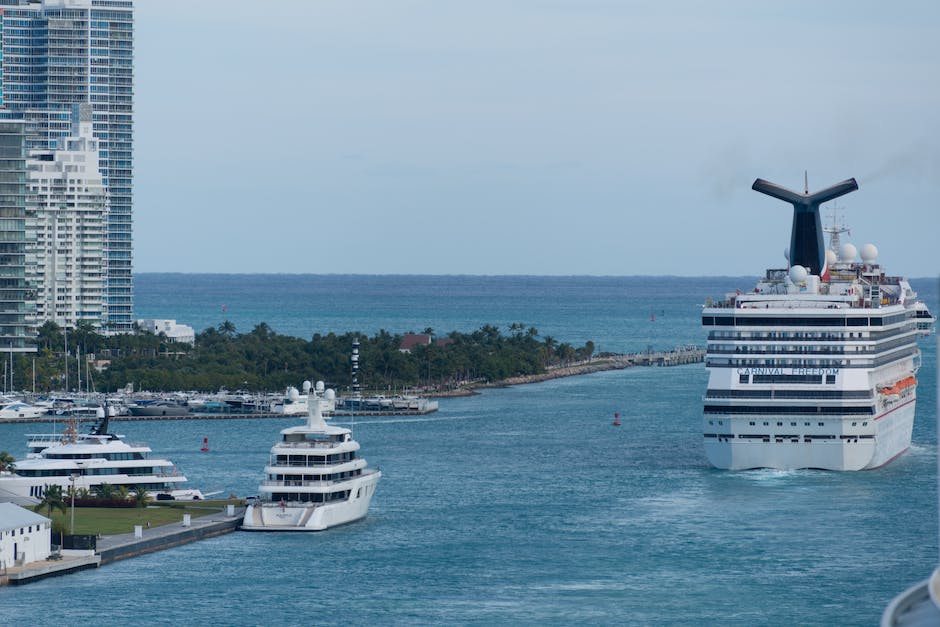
67 228
169 328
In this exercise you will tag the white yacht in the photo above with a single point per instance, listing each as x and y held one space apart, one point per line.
816 367
88 461
314 479
294 403
19 409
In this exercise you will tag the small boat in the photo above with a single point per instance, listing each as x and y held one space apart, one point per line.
158 408
19 409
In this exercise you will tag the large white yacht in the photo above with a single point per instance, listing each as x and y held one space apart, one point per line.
314 479
814 368
88 461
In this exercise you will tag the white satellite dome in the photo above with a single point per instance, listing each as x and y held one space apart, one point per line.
847 253
320 386
306 387
869 253
786 253
798 274
329 395
831 257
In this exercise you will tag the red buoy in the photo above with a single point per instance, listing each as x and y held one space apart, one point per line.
205 445
616 420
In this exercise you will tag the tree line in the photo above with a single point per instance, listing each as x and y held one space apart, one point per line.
262 360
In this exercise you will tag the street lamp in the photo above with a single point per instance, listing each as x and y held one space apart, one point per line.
73 478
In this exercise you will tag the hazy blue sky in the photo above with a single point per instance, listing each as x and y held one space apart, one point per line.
527 137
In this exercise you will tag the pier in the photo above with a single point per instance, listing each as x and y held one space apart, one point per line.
677 357
123 546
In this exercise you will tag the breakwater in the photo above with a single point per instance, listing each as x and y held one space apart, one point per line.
677 357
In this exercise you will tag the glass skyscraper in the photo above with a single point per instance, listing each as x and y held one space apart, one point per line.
57 53
14 298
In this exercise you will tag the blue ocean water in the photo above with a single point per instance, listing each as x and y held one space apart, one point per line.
520 505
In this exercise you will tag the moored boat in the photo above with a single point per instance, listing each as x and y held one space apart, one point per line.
89 461
314 479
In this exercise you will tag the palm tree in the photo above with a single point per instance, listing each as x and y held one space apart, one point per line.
106 491
7 462
123 492
52 498
227 329
141 497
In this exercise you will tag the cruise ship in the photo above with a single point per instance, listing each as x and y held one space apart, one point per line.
816 366
314 479
87 461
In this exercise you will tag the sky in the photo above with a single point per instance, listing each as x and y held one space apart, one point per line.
551 137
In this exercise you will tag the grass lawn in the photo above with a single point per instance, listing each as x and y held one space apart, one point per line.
114 520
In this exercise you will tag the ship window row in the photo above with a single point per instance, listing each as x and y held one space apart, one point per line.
65 472
792 424
298 480
829 321
789 437
315 437
786 378
314 460
800 394
802 349
310 497
724 362
782 410
808 336
110 456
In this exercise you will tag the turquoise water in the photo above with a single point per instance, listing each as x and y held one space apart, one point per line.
525 504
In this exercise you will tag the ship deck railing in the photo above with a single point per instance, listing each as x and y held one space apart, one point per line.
309 444
306 484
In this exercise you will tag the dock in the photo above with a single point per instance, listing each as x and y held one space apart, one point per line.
123 546
677 357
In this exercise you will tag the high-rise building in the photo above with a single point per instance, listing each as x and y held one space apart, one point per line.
15 299
57 53
66 227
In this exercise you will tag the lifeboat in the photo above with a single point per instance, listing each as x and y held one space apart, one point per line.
899 387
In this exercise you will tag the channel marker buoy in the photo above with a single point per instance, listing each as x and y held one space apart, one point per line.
205 445
616 419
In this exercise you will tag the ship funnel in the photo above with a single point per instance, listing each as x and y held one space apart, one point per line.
806 236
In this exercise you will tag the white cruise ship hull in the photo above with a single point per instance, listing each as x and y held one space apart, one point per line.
855 447
295 516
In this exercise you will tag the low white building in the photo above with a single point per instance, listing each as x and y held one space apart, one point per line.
25 536
169 328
